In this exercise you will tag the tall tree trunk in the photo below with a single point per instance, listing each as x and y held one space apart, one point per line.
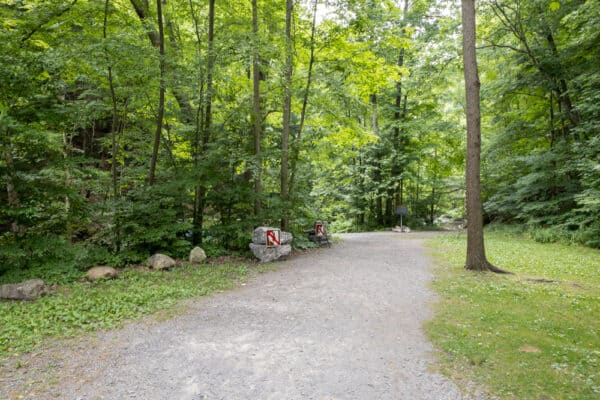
374 119
161 93
389 208
432 206
552 130
417 195
196 147
13 196
256 113
377 163
399 115
298 135
141 8
209 73
562 89
113 134
200 189
287 111
476 259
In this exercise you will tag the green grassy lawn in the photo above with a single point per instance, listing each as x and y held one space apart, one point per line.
81 306
533 335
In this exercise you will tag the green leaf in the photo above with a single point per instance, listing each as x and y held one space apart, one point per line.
554 5
40 44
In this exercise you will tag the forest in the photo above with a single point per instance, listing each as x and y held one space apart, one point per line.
129 127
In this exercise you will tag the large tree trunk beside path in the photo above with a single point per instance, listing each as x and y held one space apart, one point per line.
476 259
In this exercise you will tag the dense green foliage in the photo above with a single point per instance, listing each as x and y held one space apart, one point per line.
533 335
543 156
376 122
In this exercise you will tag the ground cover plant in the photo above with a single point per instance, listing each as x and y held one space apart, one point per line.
531 335
80 307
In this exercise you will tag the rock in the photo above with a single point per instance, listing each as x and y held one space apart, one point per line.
403 229
529 349
259 236
197 255
286 237
318 239
160 262
28 290
268 254
101 272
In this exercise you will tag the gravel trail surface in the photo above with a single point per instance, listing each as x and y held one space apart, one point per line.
339 323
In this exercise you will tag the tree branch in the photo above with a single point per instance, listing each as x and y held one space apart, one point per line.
40 25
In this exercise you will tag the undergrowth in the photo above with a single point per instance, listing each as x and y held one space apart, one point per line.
82 306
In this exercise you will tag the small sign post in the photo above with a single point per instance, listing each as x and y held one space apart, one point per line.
402 210
273 237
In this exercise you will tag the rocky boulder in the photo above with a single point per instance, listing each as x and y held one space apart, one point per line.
268 254
286 237
160 262
101 272
28 290
197 255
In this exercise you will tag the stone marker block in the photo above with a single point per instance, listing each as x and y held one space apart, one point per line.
268 254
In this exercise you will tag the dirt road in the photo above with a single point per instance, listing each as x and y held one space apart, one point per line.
338 323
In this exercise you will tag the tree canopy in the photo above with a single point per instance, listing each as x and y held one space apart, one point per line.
134 126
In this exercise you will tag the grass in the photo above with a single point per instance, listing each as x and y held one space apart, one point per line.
534 335
81 307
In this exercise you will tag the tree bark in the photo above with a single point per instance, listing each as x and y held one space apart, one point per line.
196 148
397 168
113 132
374 119
200 189
476 259
377 164
287 110
256 112
141 8
13 196
161 94
209 72
562 89
298 135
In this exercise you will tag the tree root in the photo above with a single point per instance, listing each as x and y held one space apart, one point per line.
487 266
497 270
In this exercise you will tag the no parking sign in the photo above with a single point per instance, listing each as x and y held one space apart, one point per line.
320 229
273 237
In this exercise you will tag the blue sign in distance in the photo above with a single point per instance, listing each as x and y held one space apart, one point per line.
402 210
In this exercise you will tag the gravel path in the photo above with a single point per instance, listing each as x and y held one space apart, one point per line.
338 323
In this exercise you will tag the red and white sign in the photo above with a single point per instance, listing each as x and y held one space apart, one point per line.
273 237
320 229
